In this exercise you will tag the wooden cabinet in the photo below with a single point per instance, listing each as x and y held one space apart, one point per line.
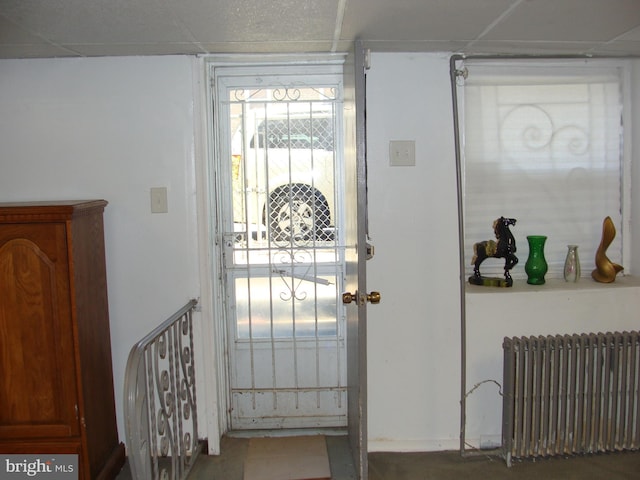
56 381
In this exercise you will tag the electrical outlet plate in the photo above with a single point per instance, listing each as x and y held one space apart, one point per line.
402 153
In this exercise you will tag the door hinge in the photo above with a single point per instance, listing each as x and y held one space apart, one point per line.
367 59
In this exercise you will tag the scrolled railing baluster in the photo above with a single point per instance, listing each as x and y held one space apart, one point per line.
160 401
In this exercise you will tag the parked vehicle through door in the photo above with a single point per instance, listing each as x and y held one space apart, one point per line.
283 161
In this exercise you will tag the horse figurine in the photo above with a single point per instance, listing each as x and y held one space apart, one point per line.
505 248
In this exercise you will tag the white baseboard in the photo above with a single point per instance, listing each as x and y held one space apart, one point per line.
416 445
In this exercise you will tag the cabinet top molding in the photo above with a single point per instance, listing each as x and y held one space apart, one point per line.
48 210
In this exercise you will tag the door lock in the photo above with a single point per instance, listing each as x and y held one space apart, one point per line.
373 297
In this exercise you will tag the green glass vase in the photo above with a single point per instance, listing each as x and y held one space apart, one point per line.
536 266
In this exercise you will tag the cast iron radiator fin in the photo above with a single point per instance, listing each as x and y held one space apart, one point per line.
570 394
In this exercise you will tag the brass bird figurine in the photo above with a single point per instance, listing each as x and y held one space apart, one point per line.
606 270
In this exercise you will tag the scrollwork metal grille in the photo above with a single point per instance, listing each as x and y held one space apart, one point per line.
160 401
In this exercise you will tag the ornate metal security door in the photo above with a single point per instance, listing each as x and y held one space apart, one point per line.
280 178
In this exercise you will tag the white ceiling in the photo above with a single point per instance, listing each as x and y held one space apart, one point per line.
71 28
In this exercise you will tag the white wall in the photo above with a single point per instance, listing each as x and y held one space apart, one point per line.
635 166
114 127
555 308
111 128
414 334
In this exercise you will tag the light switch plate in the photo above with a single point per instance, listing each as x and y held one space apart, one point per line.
159 200
402 153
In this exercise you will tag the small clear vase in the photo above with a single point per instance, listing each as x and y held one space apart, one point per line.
572 264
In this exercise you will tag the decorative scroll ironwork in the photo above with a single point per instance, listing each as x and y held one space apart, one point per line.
284 94
533 128
160 401
281 94
293 279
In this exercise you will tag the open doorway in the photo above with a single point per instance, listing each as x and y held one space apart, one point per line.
279 177
285 256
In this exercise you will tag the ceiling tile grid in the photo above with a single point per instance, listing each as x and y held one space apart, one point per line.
58 28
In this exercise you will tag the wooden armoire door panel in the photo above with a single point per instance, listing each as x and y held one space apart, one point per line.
56 380
37 384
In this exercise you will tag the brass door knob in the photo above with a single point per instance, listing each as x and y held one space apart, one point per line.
373 297
349 297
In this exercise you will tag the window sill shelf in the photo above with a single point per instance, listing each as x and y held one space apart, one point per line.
555 285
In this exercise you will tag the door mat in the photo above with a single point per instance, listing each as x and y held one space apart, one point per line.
287 458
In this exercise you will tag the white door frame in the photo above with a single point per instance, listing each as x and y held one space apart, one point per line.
213 381
208 380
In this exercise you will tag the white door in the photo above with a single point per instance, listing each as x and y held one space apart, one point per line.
280 176
357 252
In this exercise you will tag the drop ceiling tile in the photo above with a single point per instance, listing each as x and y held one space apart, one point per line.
258 21
620 47
136 49
414 46
34 51
631 35
419 20
568 20
530 48
268 47
82 21
13 34
43 28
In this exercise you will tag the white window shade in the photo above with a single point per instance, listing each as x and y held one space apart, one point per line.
543 144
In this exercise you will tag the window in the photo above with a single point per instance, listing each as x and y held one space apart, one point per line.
543 143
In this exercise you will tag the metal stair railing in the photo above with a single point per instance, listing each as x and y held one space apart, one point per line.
160 408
